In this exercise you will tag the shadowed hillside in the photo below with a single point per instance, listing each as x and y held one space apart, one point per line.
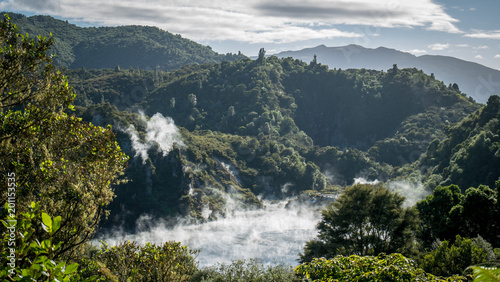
141 47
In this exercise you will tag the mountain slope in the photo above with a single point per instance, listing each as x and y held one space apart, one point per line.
470 156
124 46
474 79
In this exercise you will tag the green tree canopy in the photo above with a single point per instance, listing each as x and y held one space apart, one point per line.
65 164
129 261
437 214
447 213
365 220
452 259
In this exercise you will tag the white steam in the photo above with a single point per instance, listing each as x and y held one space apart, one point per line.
361 180
275 234
413 192
160 130
140 148
286 187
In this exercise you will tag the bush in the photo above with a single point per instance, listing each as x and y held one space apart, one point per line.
28 256
242 270
167 262
448 259
393 267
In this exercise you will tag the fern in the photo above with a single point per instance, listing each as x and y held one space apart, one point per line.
486 274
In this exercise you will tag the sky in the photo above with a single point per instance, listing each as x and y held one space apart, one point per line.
469 30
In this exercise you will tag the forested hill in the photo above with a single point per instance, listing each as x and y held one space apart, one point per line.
124 46
470 156
475 80
272 127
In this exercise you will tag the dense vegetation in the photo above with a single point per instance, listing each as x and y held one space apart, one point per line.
394 267
364 221
248 127
470 156
273 121
110 47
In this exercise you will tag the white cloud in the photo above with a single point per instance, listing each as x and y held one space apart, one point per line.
462 45
253 21
497 56
495 34
480 47
416 52
439 46
479 57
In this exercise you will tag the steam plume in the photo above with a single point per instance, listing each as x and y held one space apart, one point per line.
413 192
159 130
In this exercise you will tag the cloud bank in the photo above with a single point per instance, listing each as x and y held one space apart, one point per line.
251 21
495 34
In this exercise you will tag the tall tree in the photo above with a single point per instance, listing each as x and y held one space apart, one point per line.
480 214
262 55
438 215
365 220
55 159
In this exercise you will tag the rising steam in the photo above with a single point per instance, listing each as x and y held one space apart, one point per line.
160 130
275 234
412 191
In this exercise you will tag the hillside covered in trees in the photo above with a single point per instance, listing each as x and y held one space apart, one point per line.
468 74
259 129
110 47
275 128
257 125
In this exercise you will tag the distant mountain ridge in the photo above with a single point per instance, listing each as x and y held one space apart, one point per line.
476 80
143 47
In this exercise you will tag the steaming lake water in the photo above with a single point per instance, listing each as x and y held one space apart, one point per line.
275 234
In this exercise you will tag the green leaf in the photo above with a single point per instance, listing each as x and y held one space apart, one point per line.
40 259
26 272
36 267
61 265
8 223
486 273
47 221
56 224
71 268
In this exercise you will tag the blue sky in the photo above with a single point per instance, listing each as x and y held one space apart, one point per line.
465 29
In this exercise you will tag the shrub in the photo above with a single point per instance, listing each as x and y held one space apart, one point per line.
393 267
242 270
167 262
28 257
